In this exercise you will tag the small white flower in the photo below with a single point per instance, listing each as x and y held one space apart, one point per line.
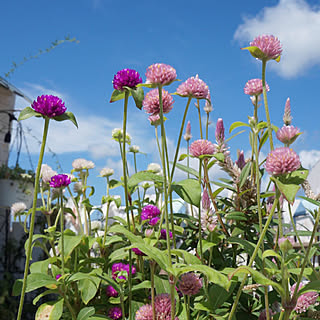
46 173
82 164
154 167
18 208
117 134
106 172
134 149
96 225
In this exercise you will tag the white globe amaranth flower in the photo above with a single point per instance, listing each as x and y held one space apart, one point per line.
46 173
77 187
154 167
18 208
96 225
82 164
134 149
106 172
117 134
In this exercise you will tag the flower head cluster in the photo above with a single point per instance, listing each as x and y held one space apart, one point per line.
193 87
282 160
187 136
163 234
269 45
123 269
60 181
154 167
154 120
305 300
208 221
144 313
106 172
201 147
134 149
111 292
82 164
115 313
126 78
151 102
46 173
117 134
150 211
190 284
287 134
254 87
49 106
138 252
18 208
287 113
160 73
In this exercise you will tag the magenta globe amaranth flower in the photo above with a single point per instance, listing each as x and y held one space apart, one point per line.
60 181
190 284
151 102
126 78
163 234
254 87
58 276
111 292
150 211
201 147
160 73
115 313
49 106
138 252
269 45
287 134
193 87
282 160
154 221
305 300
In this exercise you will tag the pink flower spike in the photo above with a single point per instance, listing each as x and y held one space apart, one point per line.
269 45
241 162
187 136
287 113
205 200
254 87
201 147
305 300
151 103
220 131
160 73
287 134
193 87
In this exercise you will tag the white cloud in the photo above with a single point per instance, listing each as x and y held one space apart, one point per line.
297 25
309 158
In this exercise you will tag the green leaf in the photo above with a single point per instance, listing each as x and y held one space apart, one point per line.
114 183
37 298
187 256
51 310
70 243
188 170
270 253
219 156
255 52
236 215
67 116
143 176
143 285
17 287
311 286
237 124
289 184
183 156
189 190
138 96
234 135
117 95
28 112
41 266
85 313
317 203
38 280
218 295
245 173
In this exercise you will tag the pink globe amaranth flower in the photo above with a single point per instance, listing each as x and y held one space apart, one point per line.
154 120
305 300
144 313
163 234
287 134
150 211
193 87
269 45
162 303
126 78
190 284
49 106
287 113
201 147
254 87
60 181
151 103
154 221
111 292
160 73
115 313
138 252
187 136
282 160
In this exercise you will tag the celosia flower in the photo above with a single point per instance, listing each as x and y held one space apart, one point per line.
18 208
60 181
154 167
58 276
115 313
106 172
282 160
138 252
254 87
144 312
193 87
201 147
208 221
190 284
287 113
163 234
160 73
111 292
269 45
151 103
154 221
126 78
205 200
208 106
287 134
241 162
220 131
305 300
150 211
49 106
187 136
82 164
46 173
117 134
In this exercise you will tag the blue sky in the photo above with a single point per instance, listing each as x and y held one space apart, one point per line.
202 37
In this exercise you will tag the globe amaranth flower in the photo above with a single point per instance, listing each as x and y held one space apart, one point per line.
163 234
154 167
150 211
18 208
134 149
287 134
193 87
115 313
119 268
254 87
287 113
117 134
106 172
282 160
154 221
144 313
160 73
60 181
58 276
154 120
96 225
49 106
151 103
201 147
305 300
138 252
269 45
126 78
187 136
111 292
162 303
46 173
190 284
82 164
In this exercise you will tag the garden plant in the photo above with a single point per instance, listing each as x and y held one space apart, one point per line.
229 256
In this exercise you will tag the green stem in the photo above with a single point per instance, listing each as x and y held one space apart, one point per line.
62 231
33 214
152 267
122 303
106 225
199 211
207 126
264 64
188 160
136 170
74 317
199 114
